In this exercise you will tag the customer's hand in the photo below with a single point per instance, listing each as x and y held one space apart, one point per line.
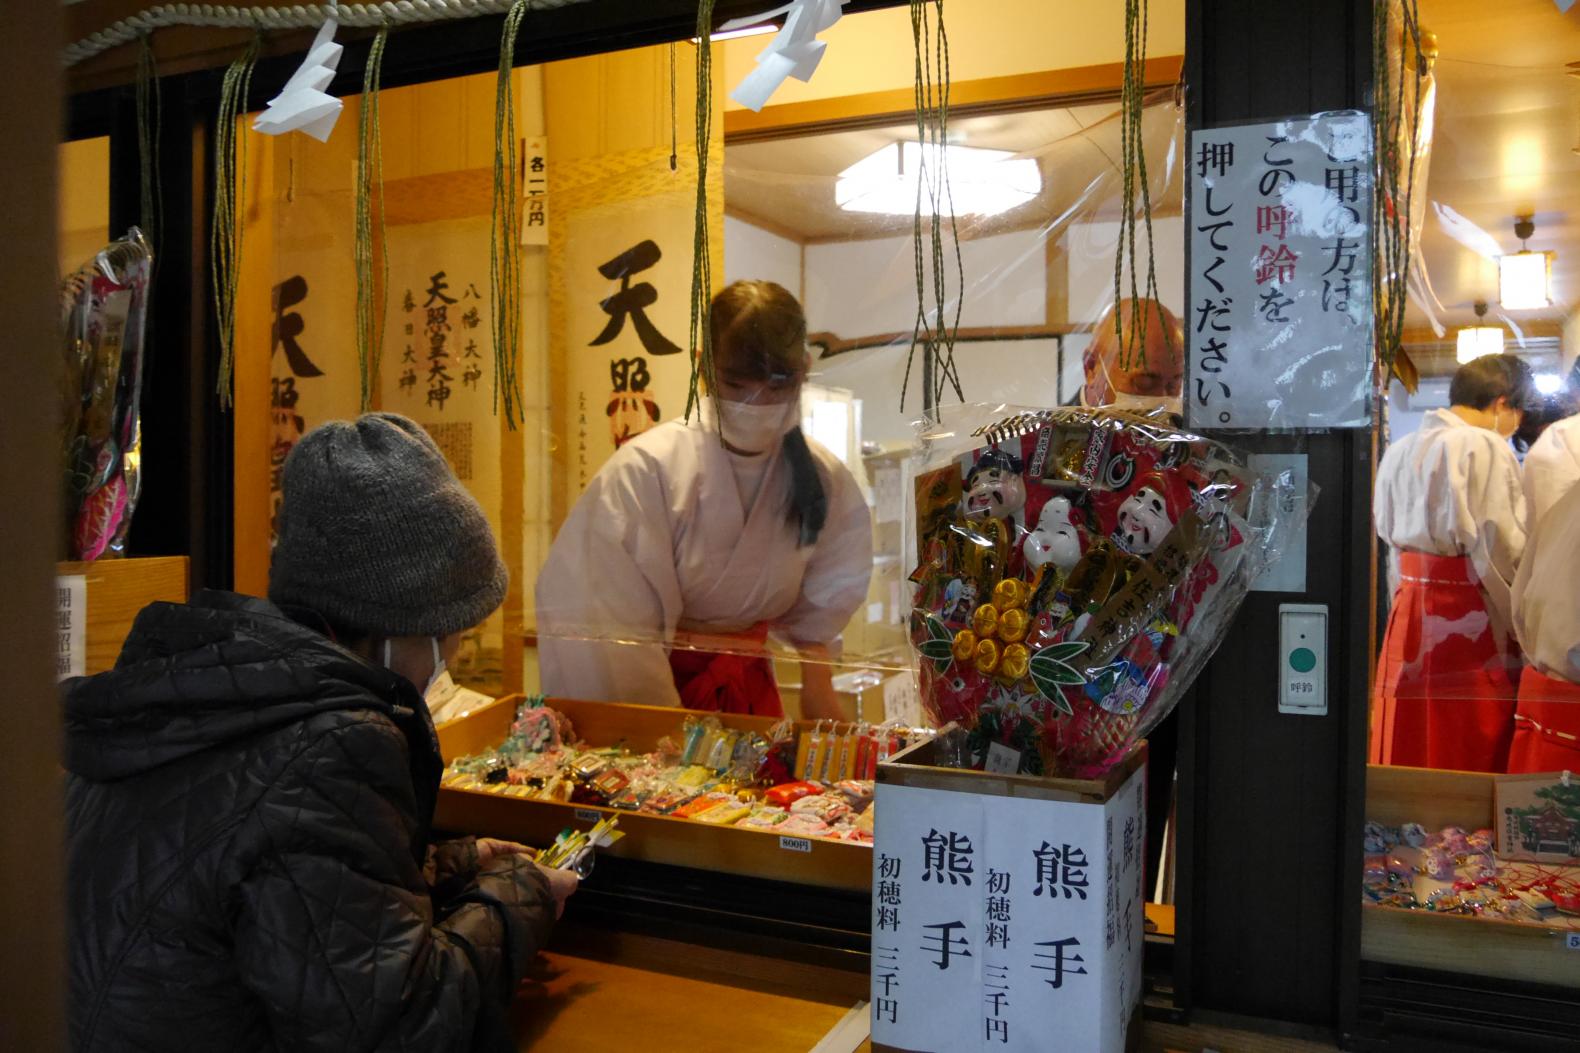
490 849
562 885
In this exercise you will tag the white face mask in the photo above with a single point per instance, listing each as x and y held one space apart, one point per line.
756 427
438 665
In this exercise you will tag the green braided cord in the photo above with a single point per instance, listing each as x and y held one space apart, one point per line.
504 250
701 260
150 216
1135 182
674 114
947 372
1153 294
1394 182
372 290
931 332
920 105
230 181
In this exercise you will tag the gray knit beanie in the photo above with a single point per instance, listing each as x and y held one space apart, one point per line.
376 533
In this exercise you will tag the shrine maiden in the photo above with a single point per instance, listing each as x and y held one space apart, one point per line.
1449 503
1552 467
697 540
1547 619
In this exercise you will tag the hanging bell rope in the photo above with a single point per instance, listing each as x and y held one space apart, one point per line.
148 122
291 16
933 332
1396 115
371 247
230 181
1134 184
701 258
504 252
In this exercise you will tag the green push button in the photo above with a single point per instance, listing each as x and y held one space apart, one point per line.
1302 660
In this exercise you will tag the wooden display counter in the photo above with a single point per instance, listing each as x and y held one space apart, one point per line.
649 838
595 991
1451 942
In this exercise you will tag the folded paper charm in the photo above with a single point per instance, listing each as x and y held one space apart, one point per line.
304 105
794 51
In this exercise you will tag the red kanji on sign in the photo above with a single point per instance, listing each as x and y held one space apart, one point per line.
1276 266
1272 218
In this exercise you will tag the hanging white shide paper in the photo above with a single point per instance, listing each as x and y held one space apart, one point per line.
304 105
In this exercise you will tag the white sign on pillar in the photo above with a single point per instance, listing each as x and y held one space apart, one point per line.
1280 316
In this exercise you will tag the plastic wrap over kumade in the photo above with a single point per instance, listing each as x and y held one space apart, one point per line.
103 306
1076 568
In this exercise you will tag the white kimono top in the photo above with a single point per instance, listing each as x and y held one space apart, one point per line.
660 542
1453 489
1552 467
1546 601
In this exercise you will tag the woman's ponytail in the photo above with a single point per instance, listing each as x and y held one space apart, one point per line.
808 500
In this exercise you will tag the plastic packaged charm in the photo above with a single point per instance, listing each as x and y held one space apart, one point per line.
104 305
1076 569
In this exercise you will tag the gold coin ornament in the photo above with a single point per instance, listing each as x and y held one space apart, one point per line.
1015 663
1012 625
1009 594
988 657
965 645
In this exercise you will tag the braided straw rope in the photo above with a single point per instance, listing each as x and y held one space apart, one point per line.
296 16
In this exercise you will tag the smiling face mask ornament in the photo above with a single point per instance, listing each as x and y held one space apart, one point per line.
1144 521
1056 539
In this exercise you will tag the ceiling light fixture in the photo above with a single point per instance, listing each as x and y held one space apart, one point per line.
1548 383
736 34
981 182
1524 277
1478 340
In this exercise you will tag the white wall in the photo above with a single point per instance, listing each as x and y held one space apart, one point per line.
1406 410
861 288
752 252
1021 372
1091 252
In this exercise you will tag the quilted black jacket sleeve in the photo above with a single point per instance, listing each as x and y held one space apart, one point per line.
335 930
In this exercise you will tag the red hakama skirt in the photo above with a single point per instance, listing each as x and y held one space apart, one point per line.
721 682
1546 725
1445 691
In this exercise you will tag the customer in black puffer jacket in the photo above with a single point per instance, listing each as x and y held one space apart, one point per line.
251 787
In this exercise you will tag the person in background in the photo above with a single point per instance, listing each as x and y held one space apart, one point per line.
250 789
1552 462
1448 503
1547 620
698 539
1141 370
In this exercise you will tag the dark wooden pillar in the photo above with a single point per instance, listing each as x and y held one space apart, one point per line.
1271 805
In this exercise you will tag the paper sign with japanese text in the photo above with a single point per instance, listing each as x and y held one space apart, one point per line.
71 625
535 190
1279 325
1051 920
